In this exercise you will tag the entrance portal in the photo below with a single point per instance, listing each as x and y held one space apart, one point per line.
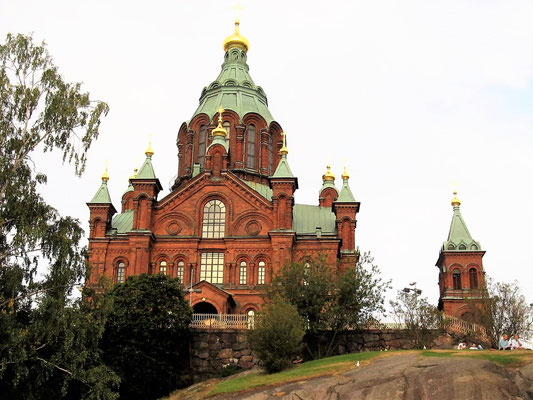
204 308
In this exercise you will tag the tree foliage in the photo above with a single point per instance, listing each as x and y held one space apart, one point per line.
48 344
330 301
420 318
277 337
146 335
503 309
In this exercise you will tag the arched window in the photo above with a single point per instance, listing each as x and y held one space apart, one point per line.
250 318
242 273
250 147
462 247
163 267
202 139
270 154
472 274
261 273
456 274
214 222
180 271
227 127
120 272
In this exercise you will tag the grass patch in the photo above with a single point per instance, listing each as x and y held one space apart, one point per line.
504 358
324 366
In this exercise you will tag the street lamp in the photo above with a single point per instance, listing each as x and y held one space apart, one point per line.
413 289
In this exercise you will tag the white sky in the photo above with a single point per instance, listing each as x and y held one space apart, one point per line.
411 95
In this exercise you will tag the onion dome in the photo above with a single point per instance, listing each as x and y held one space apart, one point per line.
236 40
455 201
284 150
105 176
219 130
149 152
345 175
328 176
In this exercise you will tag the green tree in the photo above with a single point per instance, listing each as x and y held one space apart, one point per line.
421 319
502 309
277 337
146 335
331 301
48 344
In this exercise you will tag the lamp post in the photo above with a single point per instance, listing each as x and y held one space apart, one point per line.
413 289
189 289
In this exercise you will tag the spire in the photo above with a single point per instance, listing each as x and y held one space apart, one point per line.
459 238
328 181
283 170
219 133
147 170
234 88
346 195
102 195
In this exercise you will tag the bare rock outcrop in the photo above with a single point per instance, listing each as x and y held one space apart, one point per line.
410 376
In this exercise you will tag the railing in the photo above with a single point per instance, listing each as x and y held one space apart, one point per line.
222 321
461 326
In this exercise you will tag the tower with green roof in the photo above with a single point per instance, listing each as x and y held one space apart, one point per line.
461 273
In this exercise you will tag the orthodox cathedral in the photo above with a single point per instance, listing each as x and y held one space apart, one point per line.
230 221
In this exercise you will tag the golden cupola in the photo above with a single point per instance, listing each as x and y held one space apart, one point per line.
328 176
236 40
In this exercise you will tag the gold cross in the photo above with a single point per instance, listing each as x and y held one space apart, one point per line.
284 143
220 111
237 8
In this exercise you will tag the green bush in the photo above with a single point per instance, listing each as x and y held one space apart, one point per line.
278 334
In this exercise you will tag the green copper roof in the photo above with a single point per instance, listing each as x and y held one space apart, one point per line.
459 238
129 189
328 184
263 190
283 170
219 140
122 223
147 170
346 195
102 195
234 90
307 218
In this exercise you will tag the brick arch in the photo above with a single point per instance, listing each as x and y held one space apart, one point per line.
207 300
256 119
249 306
114 267
184 220
239 224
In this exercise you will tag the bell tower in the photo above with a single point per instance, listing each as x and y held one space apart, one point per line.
460 264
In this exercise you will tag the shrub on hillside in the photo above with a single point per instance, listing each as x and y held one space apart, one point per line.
278 334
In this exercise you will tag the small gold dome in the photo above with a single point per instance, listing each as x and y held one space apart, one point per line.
284 150
134 173
236 40
345 175
219 130
455 201
328 176
149 152
105 176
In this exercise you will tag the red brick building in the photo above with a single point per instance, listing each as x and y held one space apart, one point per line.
461 274
230 221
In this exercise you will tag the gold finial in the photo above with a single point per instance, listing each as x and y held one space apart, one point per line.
284 150
105 176
134 173
149 152
328 176
219 130
237 40
455 201
345 175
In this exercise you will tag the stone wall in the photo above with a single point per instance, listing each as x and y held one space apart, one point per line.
213 350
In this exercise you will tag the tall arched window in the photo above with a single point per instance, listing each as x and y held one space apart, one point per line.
261 273
180 271
202 139
214 222
242 273
120 272
163 267
250 147
270 154
456 274
227 127
472 274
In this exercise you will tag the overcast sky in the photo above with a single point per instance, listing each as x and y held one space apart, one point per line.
411 95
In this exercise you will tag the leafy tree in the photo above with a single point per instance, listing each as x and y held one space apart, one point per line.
48 344
277 337
421 319
330 301
502 309
146 335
